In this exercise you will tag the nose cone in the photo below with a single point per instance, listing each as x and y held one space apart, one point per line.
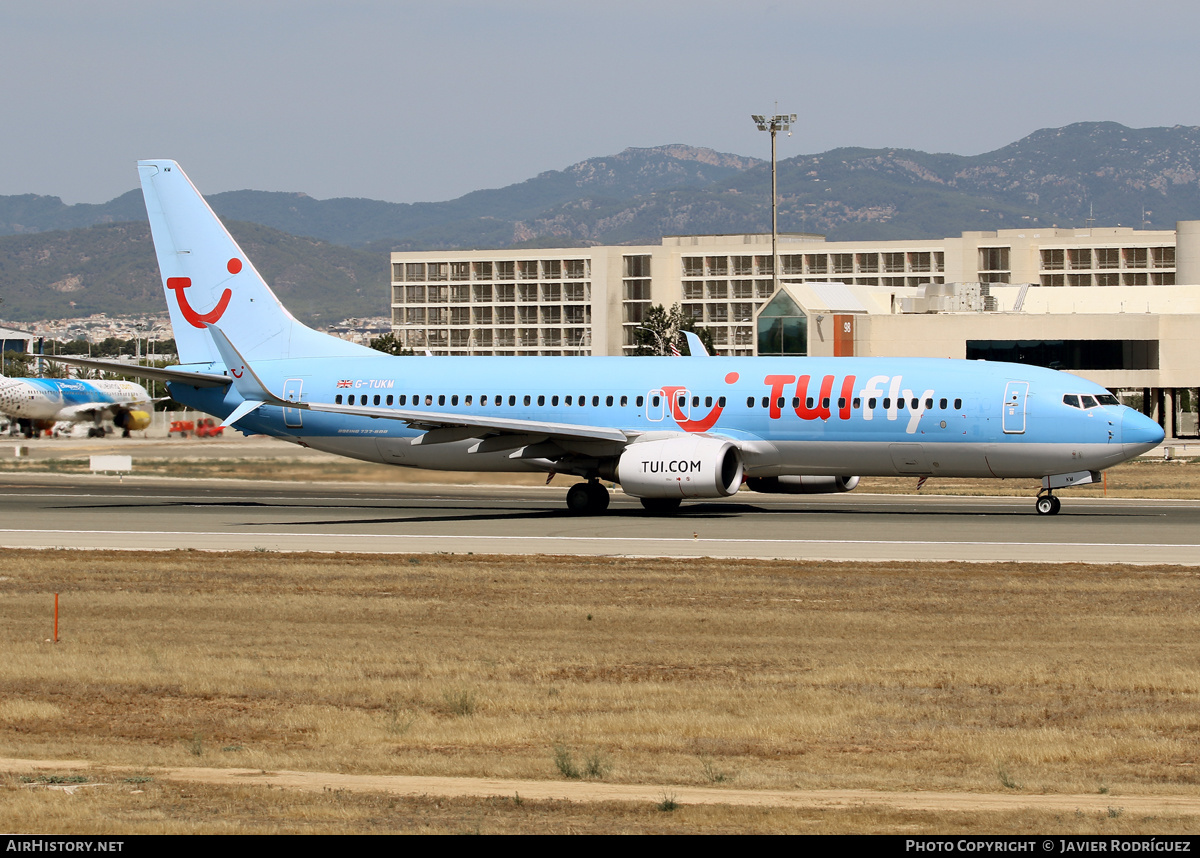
1139 433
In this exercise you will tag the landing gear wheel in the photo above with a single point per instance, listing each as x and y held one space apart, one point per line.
661 506
587 499
1048 505
599 497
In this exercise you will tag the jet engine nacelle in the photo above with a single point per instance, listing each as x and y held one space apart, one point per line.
689 466
801 485
131 419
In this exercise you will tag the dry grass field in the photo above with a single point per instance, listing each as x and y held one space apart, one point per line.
978 679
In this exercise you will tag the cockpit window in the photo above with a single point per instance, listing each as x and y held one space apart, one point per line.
1088 401
1108 399
1071 399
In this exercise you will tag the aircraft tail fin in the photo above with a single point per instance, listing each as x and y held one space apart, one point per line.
207 278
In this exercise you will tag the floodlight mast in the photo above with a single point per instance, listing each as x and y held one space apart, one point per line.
778 122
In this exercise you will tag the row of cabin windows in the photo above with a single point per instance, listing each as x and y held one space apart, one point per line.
581 401
639 401
914 403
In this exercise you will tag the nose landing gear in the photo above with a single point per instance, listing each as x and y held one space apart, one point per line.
1048 504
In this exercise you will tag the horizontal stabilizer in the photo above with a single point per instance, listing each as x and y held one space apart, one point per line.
194 378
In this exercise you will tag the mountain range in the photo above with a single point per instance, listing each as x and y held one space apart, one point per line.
328 258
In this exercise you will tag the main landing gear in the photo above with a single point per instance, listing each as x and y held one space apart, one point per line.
588 498
1048 504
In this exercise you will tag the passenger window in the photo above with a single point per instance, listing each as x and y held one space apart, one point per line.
942 404
389 399
872 402
958 405
825 402
467 399
766 402
554 401
887 402
527 399
403 398
337 400
779 403
749 401
541 401
441 399
899 404
608 400
581 401
454 399
653 401
376 399
624 401
708 402
808 403
641 400
795 402
567 400
721 401
595 401
928 404
512 400
351 399
915 404
682 401
695 402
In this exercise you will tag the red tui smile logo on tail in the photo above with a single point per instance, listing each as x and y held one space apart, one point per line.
199 320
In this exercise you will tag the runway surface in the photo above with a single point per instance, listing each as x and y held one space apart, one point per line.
98 512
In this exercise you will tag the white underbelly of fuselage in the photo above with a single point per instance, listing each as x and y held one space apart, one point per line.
841 459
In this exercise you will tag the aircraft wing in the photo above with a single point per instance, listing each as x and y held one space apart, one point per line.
195 379
479 426
256 394
86 411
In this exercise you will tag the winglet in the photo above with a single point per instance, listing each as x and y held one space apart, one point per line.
695 345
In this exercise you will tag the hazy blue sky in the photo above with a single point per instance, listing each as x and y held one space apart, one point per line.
426 101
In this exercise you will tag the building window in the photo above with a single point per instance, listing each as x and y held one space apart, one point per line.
1162 257
993 259
637 266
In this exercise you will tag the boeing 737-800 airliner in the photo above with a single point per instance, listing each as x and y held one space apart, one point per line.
666 429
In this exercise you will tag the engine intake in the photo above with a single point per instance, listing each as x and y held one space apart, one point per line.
685 467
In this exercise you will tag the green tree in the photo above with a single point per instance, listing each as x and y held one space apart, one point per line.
18 364
661 327
390 344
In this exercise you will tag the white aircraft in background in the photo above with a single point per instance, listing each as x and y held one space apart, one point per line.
36 404
665 429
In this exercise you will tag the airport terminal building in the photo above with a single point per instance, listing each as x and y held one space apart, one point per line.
1117 305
